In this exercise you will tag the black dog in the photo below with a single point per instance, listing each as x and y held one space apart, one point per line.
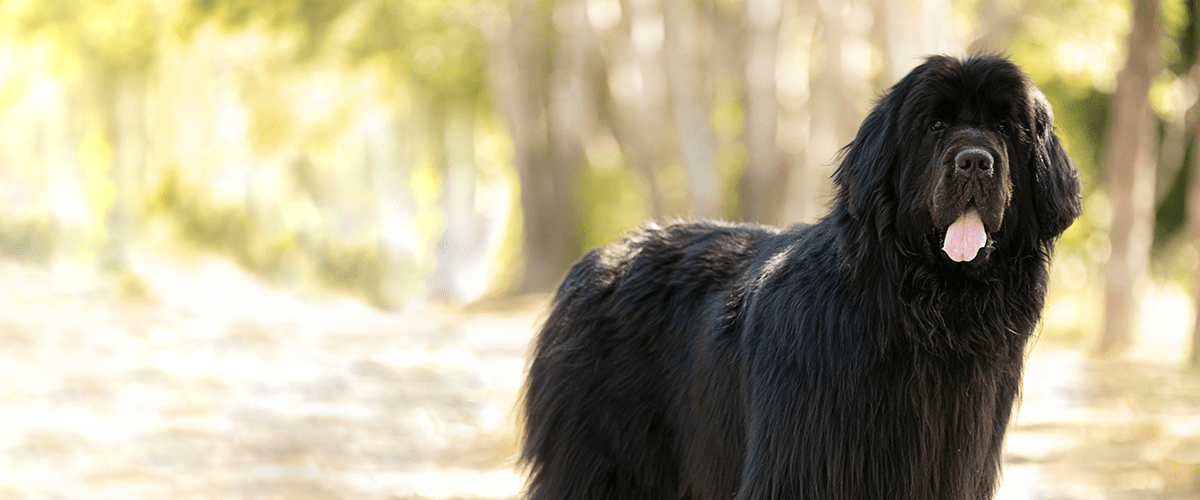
873 355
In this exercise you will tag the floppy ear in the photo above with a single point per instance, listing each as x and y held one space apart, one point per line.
865 177
1055 181
867 164
866 200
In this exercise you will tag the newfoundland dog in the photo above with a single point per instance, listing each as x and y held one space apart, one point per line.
875 354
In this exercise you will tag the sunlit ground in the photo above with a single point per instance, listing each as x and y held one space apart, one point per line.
217 386
1125 428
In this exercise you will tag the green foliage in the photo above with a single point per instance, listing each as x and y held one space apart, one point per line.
1179 40
434 45
355 267
29 239
421 58
1073 50
728 119
224 228
1081 117
426 56
1171 214
273 121
132 288
612 201
283 257
116 36
310 21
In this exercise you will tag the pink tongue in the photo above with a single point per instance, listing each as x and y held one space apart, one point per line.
965 237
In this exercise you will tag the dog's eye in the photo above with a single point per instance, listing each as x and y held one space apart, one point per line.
938 125
1002 127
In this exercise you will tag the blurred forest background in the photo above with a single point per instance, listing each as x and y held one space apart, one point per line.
297 248
408 151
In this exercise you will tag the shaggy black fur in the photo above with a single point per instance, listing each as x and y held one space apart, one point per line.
849 359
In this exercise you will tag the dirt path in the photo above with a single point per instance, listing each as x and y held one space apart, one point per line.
222 388
1091 429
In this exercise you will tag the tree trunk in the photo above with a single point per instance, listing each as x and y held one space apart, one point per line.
1131 166
519 72
913 29
839 95
572 113
460 249
59 133
389 163
127 132
1193 232
765 177
1192 224
997 22
637 82
793 89
687 38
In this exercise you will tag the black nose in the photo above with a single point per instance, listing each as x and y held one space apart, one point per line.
974 160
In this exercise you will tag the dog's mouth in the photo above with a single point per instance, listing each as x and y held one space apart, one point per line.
970 195
965 237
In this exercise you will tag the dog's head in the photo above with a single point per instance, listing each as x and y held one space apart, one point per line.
959 160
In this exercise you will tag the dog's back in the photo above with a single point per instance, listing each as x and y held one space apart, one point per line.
607 361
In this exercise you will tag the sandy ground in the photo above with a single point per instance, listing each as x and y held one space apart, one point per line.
220 387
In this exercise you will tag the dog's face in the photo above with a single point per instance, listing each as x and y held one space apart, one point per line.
959 159
974 123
